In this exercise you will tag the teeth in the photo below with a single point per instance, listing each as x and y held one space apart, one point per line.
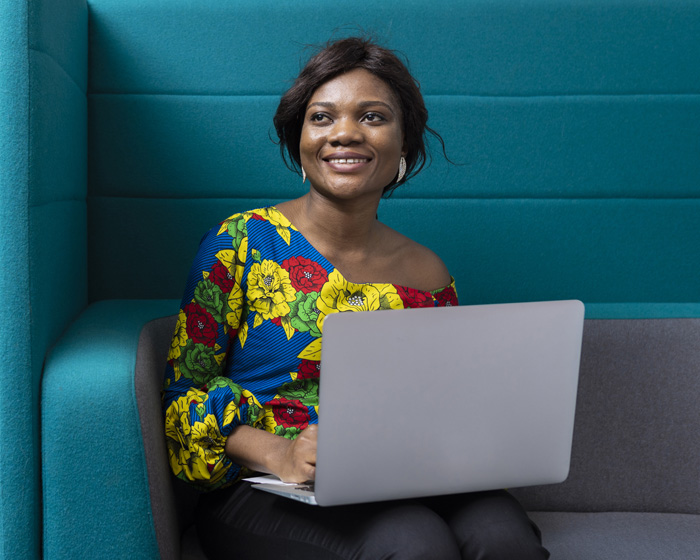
340 160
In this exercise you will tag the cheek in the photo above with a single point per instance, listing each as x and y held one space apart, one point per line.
392 147
308 143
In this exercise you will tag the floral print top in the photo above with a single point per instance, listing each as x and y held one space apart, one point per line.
247 343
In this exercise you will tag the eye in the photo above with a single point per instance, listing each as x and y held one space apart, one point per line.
318 118
373 117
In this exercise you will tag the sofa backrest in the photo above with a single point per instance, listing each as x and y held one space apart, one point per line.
574 126
637 429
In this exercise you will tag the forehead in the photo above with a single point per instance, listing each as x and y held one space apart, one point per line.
355 86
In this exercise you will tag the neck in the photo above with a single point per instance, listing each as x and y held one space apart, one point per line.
340 228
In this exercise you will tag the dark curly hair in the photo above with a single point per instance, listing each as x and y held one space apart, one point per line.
339 57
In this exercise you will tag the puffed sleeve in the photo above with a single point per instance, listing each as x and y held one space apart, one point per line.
201 405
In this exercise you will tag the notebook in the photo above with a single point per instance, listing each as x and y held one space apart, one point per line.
432 401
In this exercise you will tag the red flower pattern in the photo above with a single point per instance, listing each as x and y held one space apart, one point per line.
221 276
415 298
306 275
201 326
447 297
309 369
290 414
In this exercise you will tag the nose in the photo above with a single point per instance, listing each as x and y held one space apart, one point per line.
345 131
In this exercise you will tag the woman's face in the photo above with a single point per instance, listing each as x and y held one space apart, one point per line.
352 137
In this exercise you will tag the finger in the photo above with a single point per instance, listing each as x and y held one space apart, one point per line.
307 438
311 473
311 430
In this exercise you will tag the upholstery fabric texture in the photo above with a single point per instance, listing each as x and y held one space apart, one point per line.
637 431
93 455
129 125
620 535
43 183
577 168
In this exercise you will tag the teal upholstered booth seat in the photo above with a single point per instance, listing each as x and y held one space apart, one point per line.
130 127
43 233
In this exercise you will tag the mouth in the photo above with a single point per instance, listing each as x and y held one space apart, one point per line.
346 161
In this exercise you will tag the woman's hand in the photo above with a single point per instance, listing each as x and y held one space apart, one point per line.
298 464
290 460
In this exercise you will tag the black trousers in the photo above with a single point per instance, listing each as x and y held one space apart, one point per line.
239 522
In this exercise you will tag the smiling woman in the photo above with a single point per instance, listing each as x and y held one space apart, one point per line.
342 57
241 387
352 138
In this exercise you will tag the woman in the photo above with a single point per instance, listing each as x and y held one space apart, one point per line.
241 389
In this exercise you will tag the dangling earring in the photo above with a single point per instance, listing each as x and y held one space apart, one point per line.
402 169
303 176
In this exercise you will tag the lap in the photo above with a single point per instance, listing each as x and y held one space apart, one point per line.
239 522
490 525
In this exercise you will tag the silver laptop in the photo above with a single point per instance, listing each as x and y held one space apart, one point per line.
424 402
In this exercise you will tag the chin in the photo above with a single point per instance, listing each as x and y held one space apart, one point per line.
349 189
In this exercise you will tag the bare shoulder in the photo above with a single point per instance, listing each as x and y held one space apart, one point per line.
416 265
432 270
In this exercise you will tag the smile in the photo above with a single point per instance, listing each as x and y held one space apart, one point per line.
347 160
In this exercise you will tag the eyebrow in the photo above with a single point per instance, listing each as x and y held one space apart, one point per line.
361 105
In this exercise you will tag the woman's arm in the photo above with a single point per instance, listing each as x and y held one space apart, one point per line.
290 460
201 405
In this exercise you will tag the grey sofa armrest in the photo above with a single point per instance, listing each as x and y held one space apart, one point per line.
172 501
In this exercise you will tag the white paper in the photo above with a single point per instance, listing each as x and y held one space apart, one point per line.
269 479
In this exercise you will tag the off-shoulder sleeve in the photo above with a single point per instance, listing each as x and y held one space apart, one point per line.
446 296
201 405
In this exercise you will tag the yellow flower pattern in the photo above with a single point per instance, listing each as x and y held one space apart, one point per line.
340 295
269 291
257 294
179 338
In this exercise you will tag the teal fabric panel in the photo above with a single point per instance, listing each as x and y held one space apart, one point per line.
93 458
179 147
59 31
58 141
577 146
500 47
42 240
643 310
59 281
58 292
587 146
595 250
19 511
127 262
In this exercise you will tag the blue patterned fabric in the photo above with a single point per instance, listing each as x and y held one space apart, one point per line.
247 344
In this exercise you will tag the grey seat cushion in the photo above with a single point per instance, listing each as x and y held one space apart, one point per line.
620 536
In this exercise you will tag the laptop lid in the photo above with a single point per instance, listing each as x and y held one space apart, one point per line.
432 401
